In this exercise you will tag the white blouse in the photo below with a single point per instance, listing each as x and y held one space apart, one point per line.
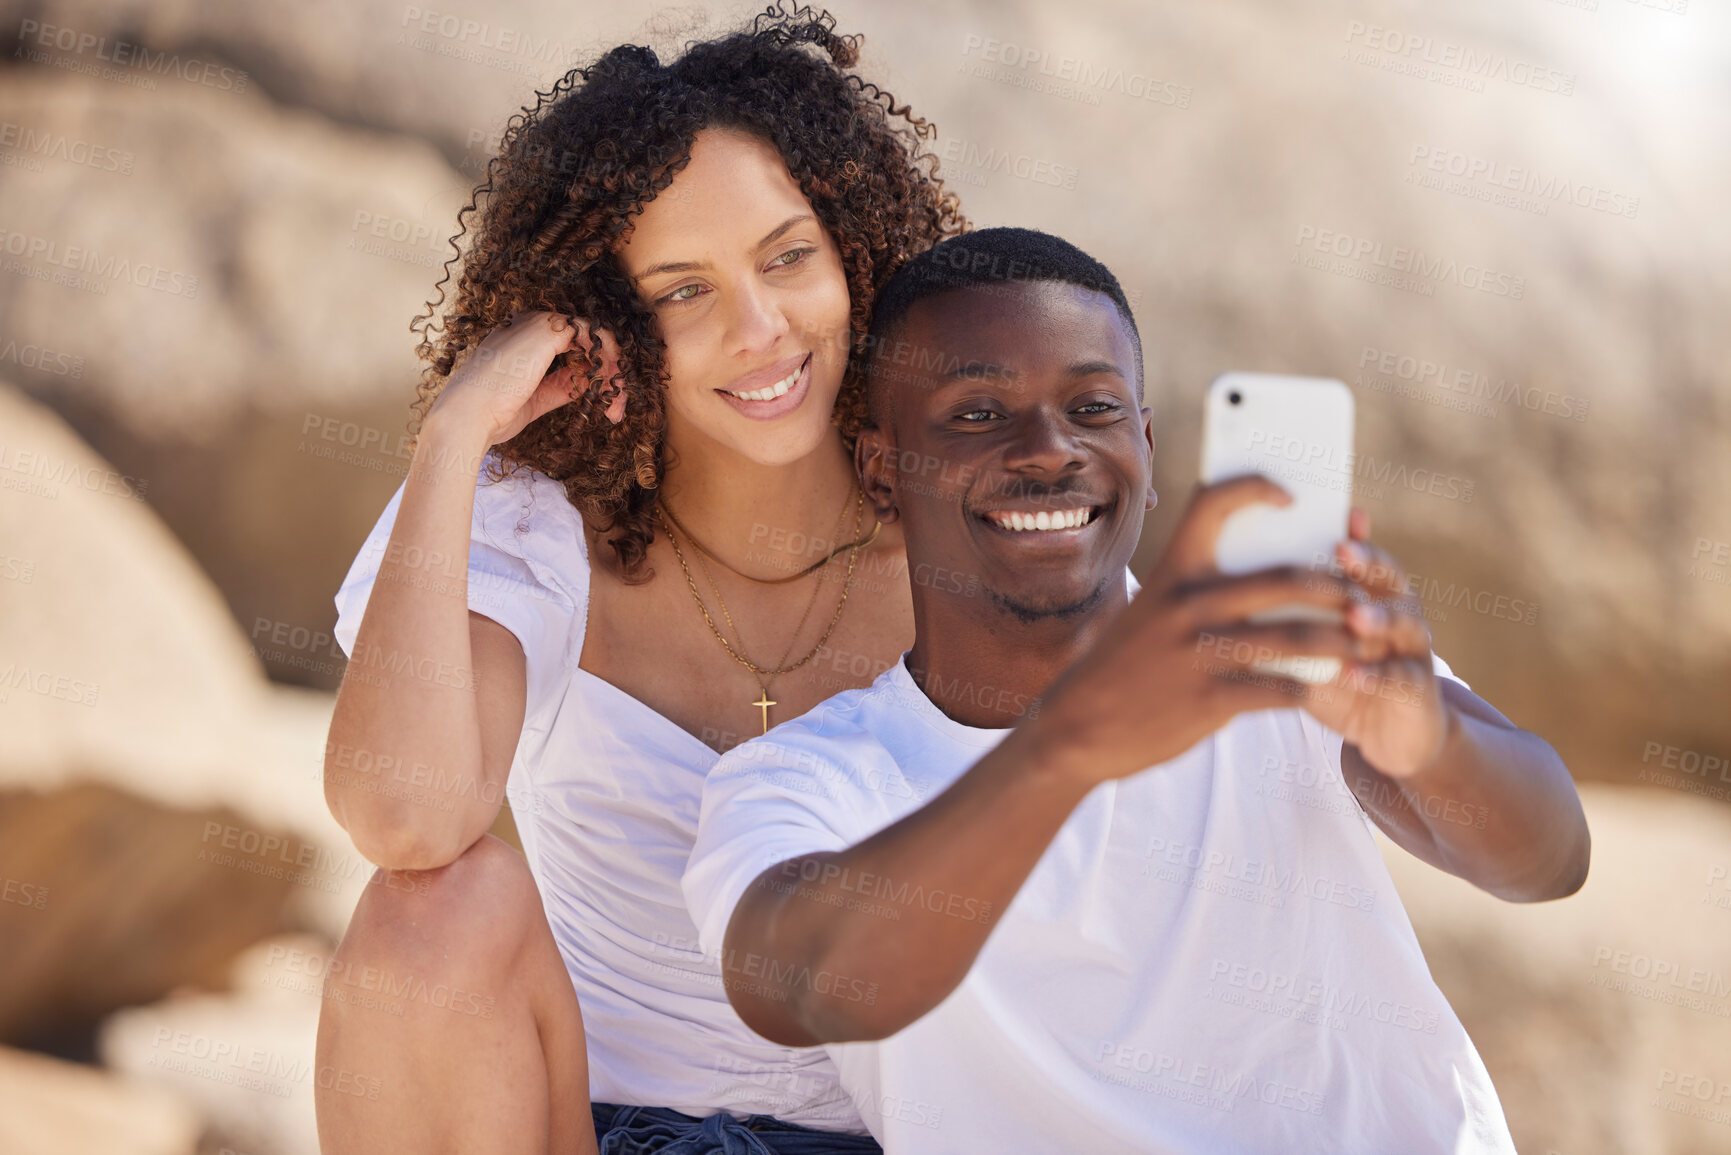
605 794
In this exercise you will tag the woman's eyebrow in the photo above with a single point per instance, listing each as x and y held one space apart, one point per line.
769 238
780 230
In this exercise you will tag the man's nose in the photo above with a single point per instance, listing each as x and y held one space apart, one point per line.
1041 441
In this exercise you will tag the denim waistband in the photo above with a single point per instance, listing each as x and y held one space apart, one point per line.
663 1131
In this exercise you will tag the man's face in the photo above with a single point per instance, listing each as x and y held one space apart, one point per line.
1015 449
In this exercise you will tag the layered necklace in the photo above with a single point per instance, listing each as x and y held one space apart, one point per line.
764 674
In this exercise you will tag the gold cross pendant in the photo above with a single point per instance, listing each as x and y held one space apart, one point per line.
763 703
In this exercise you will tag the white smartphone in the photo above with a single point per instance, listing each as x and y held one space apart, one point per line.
1297 431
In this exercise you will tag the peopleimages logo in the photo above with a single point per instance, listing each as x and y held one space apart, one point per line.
986 159
1072 76
1433 59
1407 262
42 144
1469 385
479 42
1510 185
81 259
35 37
1294 459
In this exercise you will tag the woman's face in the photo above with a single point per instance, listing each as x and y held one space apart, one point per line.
748 290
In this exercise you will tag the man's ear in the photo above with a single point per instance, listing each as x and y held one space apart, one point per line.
874 459
1148 432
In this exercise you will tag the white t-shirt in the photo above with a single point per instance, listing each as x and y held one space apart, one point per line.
605 795
1209 957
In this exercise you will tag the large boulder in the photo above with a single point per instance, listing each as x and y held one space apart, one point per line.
450 77
120 663
158 795
213 255
236 334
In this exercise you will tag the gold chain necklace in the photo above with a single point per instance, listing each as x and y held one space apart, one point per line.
764 701
817 588
812 568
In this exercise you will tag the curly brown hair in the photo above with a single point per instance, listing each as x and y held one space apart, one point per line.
574 170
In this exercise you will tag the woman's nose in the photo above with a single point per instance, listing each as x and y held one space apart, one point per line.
757 320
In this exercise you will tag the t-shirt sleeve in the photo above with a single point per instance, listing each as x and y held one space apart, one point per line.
1441 668
764 802
528 570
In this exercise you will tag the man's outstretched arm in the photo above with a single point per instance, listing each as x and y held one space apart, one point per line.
1497 807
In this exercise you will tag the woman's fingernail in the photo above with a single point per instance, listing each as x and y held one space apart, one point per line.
1370 617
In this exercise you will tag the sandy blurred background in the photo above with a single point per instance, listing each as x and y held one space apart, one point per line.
202 412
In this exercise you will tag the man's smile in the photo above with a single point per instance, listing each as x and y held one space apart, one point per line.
1050 519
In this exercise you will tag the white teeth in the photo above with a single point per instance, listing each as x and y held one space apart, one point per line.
1063 519
779 389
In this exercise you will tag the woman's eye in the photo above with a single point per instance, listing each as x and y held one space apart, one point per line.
682 293
791 257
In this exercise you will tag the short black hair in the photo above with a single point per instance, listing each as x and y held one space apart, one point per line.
987 258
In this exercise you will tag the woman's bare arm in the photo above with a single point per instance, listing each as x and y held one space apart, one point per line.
432 704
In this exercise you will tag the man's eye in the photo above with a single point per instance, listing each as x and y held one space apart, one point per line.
1097 407
972 413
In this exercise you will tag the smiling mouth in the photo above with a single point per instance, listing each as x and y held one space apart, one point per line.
771 392
1047 520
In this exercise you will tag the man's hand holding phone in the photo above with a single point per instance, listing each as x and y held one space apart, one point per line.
1386 703
1182 660
1189 653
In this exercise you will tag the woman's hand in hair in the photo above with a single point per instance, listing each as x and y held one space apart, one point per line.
508 380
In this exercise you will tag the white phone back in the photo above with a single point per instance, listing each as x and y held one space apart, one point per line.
1297 431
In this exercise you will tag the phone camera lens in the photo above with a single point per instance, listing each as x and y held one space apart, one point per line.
1234 398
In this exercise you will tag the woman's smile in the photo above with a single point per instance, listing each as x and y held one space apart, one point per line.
781 396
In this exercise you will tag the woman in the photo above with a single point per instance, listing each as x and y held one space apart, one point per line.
670 271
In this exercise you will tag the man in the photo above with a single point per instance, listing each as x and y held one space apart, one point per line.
1073 876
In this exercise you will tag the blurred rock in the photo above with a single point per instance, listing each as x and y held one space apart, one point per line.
109 902
1604 1018
261 391
120 665
448 74
48 1107
220 254
242 1060
273 510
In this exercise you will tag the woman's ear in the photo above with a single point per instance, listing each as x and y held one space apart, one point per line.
874 461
